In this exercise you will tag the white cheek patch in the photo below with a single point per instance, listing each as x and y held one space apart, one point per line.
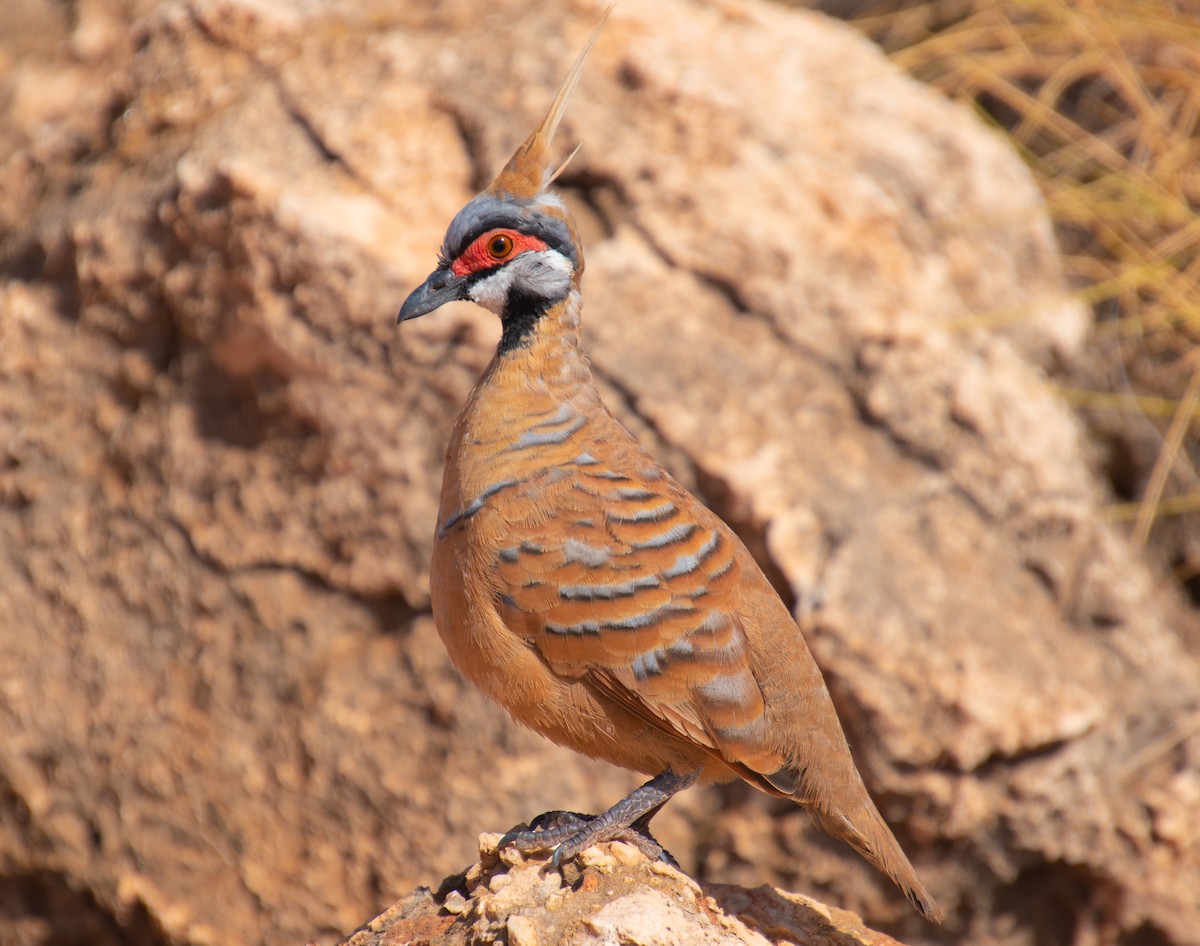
545 274
491 293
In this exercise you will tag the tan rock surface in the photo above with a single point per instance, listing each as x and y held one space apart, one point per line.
823 295
611 895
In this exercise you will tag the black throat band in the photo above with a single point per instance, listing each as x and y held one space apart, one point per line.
520 316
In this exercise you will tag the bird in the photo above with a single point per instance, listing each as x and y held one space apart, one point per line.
579 585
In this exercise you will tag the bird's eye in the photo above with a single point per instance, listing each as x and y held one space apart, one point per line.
500 246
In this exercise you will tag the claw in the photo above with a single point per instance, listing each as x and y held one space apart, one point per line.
511 836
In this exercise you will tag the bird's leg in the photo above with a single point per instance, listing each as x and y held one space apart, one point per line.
628 820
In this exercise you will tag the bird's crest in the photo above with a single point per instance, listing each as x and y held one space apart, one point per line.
528 171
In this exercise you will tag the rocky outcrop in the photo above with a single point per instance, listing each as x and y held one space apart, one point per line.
826 297
610 894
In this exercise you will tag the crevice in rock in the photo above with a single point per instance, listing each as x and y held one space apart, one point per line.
48 908
481 174
729 291
1145 935
23 258
234 411
1061 903
749 528
391 610
393 613
605 196
291 105
1000 760
296 113
599 193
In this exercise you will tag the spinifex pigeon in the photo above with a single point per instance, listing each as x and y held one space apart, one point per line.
580 586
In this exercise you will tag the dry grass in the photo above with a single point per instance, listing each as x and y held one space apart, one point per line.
1102 97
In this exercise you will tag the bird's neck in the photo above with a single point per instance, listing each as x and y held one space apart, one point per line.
529 411
547 363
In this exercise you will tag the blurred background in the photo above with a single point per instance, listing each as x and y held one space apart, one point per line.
1098 99
905 291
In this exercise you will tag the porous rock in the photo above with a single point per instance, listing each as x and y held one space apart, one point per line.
611 895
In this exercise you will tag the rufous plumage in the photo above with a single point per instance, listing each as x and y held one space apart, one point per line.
584 589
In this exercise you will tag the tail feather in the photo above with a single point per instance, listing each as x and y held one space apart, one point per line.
865 830
835 798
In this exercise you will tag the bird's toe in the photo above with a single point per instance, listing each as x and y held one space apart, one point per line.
548 830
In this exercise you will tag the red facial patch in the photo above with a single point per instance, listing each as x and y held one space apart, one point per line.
492 248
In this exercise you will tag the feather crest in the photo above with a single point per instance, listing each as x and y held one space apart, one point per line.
528 171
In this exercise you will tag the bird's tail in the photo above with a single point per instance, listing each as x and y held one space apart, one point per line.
864 829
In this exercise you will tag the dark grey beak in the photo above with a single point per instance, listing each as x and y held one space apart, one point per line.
441 287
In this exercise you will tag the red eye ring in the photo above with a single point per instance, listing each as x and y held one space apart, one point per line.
494 248
500 246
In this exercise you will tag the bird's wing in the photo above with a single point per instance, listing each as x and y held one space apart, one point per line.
631 585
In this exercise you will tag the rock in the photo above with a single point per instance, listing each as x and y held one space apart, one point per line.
827 298
612 895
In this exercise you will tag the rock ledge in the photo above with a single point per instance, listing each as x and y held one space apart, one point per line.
610 894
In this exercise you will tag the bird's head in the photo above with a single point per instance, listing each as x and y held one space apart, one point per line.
514 248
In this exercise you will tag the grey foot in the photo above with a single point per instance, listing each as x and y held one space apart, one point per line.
569 832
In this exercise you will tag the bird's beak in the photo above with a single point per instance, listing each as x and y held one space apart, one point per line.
441 287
